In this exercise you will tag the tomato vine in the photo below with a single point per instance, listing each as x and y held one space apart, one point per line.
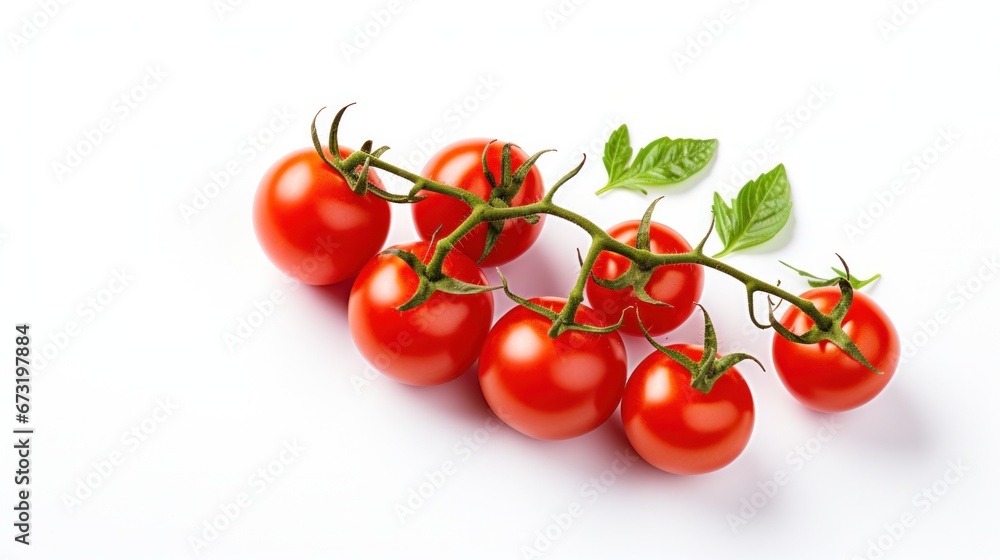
497 209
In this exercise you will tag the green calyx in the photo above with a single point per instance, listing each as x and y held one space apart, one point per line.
828 326
818 282
426 287
710 368
356 175
560 323
502 193
833 332
637 276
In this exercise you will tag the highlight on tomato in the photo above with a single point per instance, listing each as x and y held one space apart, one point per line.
551 388
310 223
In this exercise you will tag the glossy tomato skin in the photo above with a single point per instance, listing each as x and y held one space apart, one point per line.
429 344
460 165
677 428
679 285
822 376
311 225
551 388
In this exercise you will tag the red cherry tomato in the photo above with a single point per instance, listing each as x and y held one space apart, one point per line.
460 165
824 377
679 285
677 428
429 344
311 225
551 388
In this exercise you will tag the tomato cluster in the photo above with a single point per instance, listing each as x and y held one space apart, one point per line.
313 226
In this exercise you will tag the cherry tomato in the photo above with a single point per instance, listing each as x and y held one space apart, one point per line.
551 388
824 377
460 165
677 428
429 344
311 225
679 285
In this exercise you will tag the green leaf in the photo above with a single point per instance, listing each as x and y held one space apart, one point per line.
757 214
818 282
664 161
617 152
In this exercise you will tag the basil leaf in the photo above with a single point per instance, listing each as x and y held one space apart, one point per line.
664 161
617 152
757 214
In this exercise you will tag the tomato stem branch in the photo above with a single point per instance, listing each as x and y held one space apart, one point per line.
446 244
827 326
568 313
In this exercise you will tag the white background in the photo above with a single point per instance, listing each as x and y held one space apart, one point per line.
558 81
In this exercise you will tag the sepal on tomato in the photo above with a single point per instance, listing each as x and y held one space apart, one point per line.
562 181
502 193
426 287
834 332
705 372
559 323
819 282
356 174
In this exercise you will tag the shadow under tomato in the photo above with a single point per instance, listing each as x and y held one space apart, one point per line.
889 424
333 295
460 397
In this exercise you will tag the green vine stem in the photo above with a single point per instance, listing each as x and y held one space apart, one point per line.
355 167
